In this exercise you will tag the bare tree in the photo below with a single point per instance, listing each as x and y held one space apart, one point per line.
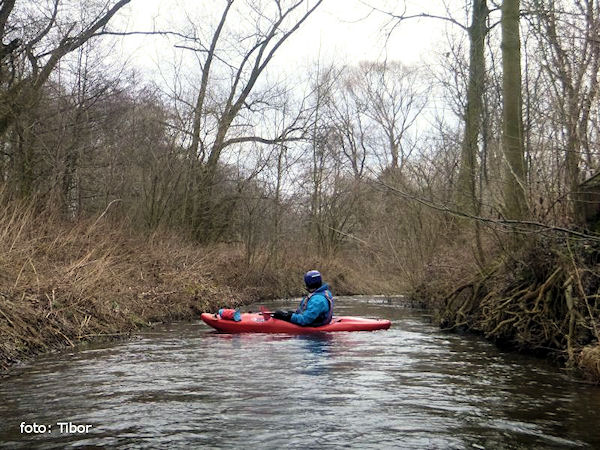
467 176
570 50
38 37
222 121
391 96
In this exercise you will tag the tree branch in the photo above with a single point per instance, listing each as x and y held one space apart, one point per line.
261 140
423 15
507 223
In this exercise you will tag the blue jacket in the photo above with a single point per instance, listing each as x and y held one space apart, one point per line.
316 309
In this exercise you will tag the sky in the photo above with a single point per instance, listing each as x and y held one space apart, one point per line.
347 31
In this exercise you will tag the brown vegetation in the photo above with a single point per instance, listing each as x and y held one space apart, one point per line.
589 362
541 299
62 283
520 264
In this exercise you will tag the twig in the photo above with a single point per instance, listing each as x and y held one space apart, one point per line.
582 292
104 213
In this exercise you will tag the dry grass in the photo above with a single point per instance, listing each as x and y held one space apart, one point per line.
589 362
62 283
281 276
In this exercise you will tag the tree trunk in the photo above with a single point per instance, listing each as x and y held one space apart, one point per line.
466 197
515 205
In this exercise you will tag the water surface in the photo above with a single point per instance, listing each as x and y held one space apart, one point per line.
182 386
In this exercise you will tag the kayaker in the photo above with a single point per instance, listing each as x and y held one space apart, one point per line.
316 308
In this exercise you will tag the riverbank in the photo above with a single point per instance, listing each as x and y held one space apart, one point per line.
543 298
63 283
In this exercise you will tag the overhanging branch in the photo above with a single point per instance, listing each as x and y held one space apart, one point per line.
522 226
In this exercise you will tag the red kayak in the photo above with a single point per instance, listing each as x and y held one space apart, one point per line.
264 323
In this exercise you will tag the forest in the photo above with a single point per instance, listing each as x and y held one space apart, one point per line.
469 182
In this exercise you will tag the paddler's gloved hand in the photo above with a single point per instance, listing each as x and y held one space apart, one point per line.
283 315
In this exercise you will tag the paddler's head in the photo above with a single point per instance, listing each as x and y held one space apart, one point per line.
313 280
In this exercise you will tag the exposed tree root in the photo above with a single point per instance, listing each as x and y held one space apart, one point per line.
546 302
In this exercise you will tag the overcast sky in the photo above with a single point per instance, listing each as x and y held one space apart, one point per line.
341 30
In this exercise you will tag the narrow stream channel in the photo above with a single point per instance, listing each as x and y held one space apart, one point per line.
184 386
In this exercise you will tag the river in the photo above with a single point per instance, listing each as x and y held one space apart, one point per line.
184 386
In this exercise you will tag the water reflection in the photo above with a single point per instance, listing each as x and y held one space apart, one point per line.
319 343
317 348
410 387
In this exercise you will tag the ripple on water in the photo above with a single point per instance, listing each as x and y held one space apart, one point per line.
410 387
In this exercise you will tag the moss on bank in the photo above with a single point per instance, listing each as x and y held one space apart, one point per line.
542 299
63 283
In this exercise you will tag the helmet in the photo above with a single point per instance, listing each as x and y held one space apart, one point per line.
313 279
